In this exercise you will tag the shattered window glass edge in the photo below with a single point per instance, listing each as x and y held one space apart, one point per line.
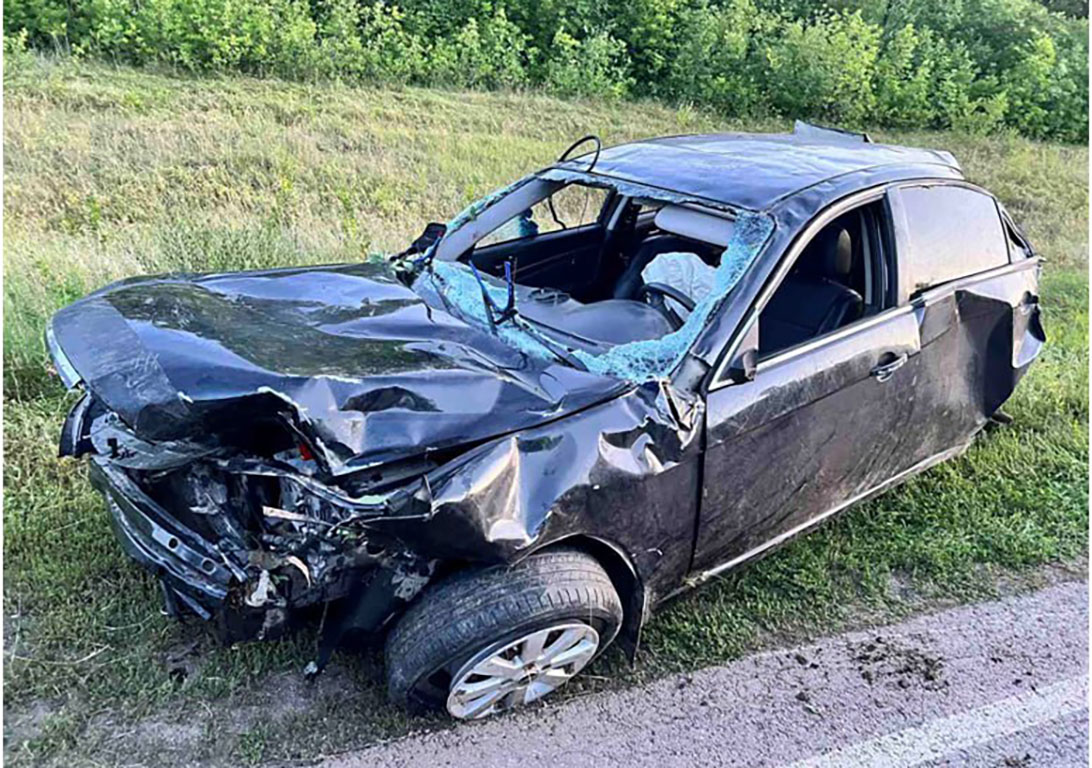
634 361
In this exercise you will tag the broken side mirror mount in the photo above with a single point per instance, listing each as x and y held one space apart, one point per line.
743 367
745 361
432 234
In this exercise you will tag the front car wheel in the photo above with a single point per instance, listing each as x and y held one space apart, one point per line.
493 639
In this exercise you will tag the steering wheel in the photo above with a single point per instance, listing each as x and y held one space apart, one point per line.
654 294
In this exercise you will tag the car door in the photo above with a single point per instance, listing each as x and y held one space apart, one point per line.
973 283
819 425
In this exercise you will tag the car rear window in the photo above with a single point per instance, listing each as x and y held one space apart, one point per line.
954 232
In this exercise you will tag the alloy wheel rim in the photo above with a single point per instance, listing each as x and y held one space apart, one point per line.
517 672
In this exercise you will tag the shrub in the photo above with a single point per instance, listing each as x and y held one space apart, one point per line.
824 68
341 45
1042 89
975 65
16 56
905 80
649 30
435 19
44 21
487 54
391 53
714 63
542 20
594 66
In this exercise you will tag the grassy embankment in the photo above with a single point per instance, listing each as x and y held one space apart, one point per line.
112 173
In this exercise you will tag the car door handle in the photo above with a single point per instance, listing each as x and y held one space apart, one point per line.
885 371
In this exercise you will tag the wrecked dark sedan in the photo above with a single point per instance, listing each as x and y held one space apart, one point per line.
500 450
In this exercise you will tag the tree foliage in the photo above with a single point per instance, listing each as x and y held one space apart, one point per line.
975 65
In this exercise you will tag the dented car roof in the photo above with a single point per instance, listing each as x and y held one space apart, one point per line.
757 171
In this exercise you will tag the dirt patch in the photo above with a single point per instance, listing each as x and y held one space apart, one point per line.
189 732
211 733
891 662
26 724
285 696
183 660
173 736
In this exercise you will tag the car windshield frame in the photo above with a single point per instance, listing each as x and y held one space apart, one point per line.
462 289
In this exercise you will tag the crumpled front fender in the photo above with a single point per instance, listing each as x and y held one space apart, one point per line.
625 469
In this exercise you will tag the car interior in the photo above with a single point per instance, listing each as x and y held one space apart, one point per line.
603 269
841 276
577 258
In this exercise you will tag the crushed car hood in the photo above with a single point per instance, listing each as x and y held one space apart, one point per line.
353 359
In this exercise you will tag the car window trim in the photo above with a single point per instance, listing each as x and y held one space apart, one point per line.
1013 232
838 334
931 293
831 212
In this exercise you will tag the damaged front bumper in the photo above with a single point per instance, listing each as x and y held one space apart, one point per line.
253 583
189 564
196 578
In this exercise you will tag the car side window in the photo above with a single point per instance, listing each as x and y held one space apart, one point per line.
572 206
954 232
843 274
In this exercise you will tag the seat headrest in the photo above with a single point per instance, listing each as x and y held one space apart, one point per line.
837 252
695 225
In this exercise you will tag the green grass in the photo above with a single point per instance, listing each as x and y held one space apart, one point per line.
115 172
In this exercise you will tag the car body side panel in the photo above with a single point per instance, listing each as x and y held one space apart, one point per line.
812 429
970 342
979 335
626 472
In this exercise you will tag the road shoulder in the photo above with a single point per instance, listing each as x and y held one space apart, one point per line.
996 683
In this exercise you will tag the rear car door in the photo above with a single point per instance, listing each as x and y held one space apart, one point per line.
972 280
821 423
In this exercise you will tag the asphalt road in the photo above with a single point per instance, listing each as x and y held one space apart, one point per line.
994 684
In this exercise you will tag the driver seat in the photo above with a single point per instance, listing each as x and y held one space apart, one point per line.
814 299
629 284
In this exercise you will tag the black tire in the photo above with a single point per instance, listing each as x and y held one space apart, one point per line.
460 616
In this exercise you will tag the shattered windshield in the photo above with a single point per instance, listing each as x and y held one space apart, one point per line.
547 277
570 207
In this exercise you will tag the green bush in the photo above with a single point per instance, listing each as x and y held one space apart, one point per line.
649 28
491 53
972 65
594 66
16 56
369 44
1042 89
825 68
714 63
906 80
